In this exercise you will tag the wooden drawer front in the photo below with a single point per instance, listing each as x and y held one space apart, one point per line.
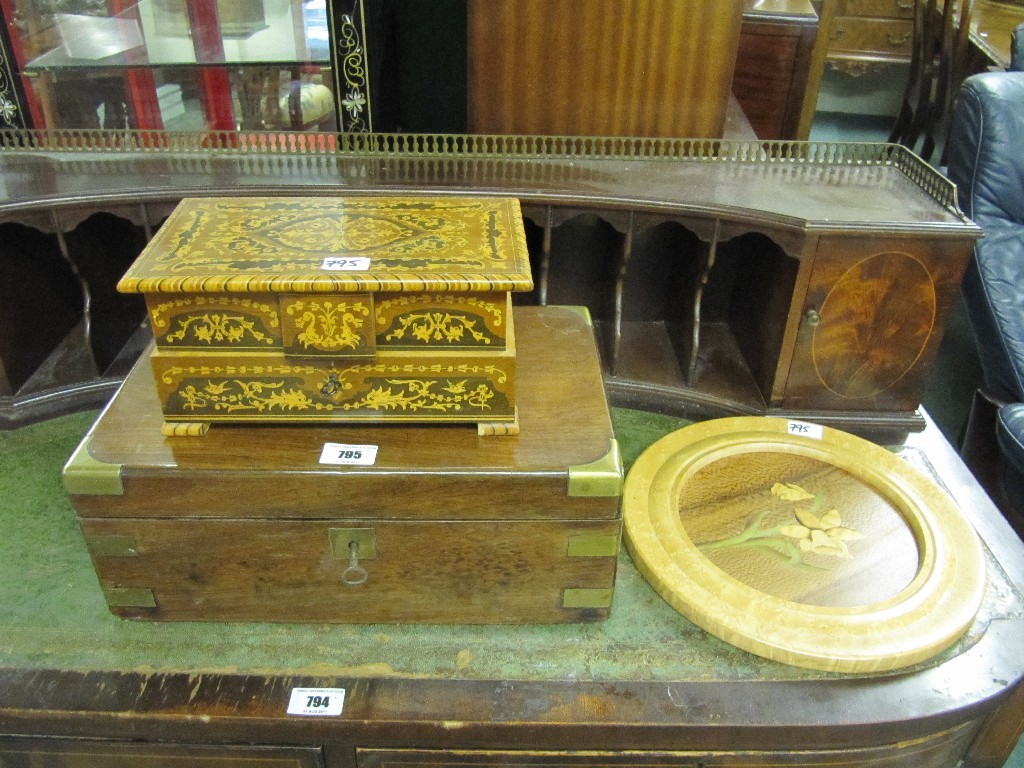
328 325
215 321
280 570
69 753
884 38
937 751
467 387
885 9
872 320
331 325
443 321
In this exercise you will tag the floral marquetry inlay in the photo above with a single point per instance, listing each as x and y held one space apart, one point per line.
812 531
448 327
329 325
282 391
413 321
215 322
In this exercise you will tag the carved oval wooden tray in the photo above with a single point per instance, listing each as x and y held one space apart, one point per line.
820 550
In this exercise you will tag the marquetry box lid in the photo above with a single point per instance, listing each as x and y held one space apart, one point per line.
320 289
335 244
260 523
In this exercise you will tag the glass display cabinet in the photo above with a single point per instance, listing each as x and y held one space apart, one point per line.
411 66
180 65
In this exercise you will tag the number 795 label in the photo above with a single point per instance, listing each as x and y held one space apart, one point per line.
341 264
341 453
803 429
316 702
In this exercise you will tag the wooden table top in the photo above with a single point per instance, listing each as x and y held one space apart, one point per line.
60 647
991 24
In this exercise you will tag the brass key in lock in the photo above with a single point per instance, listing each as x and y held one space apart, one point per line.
354 545
355 573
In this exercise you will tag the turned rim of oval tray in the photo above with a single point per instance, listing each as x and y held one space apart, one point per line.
925 617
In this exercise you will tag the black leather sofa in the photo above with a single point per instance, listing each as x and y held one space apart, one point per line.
986 161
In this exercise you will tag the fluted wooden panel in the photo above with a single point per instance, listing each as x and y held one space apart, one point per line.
602 67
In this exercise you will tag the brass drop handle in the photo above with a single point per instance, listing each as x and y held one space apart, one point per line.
813 317
904 5
898 41
355 574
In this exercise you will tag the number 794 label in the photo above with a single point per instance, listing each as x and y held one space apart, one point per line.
316 702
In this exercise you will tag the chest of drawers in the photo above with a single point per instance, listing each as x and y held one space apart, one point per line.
868 34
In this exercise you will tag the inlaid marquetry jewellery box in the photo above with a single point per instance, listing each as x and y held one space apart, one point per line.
273 309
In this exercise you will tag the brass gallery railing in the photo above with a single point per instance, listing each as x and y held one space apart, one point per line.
444 145
472 146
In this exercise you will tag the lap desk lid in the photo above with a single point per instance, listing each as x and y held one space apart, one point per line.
428 523
335 308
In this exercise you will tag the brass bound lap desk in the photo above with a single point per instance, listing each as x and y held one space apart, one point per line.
263 523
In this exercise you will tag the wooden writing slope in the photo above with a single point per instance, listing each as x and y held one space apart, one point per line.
364 523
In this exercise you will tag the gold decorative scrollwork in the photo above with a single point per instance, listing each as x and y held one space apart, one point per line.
429 327
225 396
356 116
157 313
10 113
424 395
232 396
494 309
327 325
174 372
451 388
216 328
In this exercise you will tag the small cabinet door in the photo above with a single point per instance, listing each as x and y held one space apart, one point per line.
871 321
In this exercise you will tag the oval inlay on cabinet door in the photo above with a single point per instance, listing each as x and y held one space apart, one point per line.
875 323
823 551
